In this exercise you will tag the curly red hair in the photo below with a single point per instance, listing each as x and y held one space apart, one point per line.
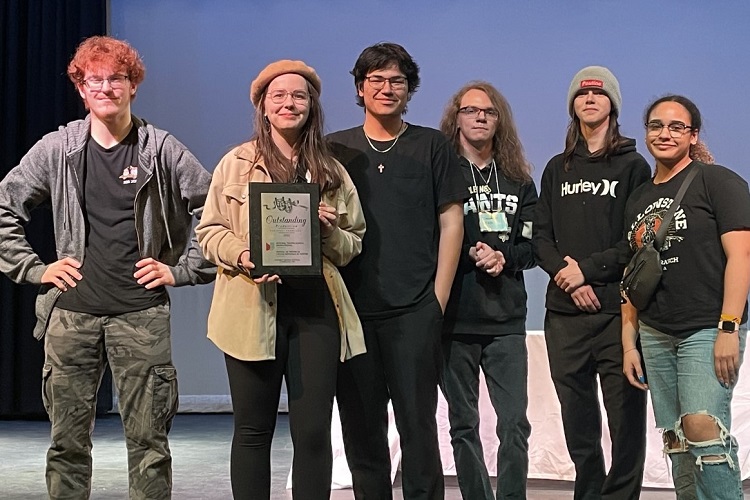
106 51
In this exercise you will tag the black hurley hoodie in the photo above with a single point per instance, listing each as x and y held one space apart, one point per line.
580 214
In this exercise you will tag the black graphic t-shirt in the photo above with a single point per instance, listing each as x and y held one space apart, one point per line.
110 185
401 193
690 295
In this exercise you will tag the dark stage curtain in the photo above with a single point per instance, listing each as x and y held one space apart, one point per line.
37 40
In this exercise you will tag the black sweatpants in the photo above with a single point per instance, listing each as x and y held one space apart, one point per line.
403 362
307 356
580 347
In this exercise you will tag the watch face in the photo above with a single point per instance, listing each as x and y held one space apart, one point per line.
728 326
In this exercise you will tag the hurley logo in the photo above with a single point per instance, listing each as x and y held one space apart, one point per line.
603 188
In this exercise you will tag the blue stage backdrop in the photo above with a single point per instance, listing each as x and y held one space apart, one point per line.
201 57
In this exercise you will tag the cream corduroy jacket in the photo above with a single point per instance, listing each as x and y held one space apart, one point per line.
242 319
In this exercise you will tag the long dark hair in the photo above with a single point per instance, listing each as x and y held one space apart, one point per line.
311 149
506 146
698 151
613 140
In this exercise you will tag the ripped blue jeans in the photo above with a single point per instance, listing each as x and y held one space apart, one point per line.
682 381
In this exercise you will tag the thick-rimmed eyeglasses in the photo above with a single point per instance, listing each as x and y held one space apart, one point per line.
115 82
396 82
473 112
676 129
279 96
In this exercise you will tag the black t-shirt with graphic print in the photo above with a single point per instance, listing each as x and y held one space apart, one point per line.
690 295
401 193
110 184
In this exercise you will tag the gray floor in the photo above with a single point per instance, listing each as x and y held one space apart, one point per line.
200 447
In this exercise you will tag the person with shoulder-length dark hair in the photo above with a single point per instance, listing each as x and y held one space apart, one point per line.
299 329
578 239
485 321
693 330
411 194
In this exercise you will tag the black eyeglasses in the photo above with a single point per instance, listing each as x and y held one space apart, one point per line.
396 82
473 112
115 82
676 129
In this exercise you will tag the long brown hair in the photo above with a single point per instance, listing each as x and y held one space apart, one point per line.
613 140
311 149
506 146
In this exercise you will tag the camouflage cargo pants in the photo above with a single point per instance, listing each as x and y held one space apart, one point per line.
137 347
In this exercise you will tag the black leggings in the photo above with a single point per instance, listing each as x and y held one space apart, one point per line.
307 355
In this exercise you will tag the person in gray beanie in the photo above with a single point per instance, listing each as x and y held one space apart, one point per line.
586 186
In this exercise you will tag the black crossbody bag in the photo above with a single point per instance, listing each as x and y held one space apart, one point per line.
643 273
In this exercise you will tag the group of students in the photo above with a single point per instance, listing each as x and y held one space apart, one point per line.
425 237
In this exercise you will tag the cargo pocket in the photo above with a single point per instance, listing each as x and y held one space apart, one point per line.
163 385
46 389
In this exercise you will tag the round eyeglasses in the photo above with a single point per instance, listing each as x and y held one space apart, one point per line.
279 96
115 82
676 129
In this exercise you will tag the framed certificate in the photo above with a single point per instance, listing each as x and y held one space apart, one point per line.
284 229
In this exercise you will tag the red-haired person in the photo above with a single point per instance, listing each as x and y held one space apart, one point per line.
123 196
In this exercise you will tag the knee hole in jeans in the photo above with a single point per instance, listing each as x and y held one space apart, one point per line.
707 437
701 428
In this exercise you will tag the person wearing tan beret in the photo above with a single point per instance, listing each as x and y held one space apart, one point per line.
298 329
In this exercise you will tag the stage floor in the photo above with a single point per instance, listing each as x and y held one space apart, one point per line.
200 448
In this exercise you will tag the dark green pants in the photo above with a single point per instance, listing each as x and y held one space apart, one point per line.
137 347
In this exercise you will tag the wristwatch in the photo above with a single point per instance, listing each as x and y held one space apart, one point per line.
728 323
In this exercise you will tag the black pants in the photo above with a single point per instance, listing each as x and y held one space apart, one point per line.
307 355
504 361
579 347
403 363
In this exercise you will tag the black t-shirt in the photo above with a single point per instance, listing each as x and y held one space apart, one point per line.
401 193
110 185
690 295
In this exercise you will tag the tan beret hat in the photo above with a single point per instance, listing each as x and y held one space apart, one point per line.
281 68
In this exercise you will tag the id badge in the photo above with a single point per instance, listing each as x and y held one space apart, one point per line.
493 222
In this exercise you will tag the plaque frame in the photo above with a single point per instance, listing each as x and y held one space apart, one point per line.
258 217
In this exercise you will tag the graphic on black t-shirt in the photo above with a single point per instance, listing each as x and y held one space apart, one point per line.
648 222
129 175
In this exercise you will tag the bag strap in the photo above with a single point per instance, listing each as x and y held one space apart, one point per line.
661 234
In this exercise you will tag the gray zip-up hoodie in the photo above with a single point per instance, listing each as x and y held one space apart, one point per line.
172 187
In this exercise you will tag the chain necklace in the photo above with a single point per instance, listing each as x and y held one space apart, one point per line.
479 171
404 125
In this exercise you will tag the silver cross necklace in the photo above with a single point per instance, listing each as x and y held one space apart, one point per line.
401 131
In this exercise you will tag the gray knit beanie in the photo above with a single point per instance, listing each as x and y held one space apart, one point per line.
595 77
